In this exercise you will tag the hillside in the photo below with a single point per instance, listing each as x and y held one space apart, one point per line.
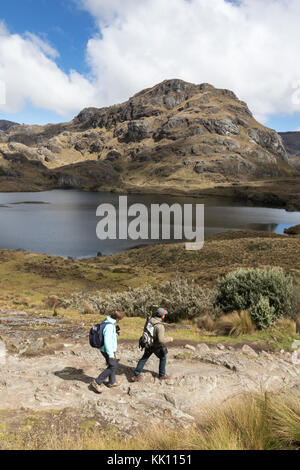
45 317
6 125
174 136
291 142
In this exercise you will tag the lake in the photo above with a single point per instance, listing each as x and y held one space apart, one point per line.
63 222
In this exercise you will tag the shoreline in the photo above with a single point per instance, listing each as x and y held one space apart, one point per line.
240 233
282 193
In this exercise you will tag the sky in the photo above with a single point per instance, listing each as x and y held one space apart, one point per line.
60 56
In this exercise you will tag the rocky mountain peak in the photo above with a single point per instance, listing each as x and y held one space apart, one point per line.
175 133
167 87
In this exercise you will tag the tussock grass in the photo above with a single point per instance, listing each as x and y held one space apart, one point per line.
207 323
235 324
249 423
287 325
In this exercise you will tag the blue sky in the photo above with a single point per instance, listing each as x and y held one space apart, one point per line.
59 22
62 24
118 47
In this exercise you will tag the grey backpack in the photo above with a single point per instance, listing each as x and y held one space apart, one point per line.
147 338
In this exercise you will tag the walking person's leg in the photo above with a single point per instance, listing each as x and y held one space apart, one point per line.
162 366
142 362
106 373
112 367
162 356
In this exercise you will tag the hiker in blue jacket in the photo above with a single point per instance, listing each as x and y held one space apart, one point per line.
108 351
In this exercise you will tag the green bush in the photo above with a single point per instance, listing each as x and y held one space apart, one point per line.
266 292
183 299
263 314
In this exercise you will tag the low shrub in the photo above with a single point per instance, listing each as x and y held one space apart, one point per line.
267 294
263 313
184 299
295 302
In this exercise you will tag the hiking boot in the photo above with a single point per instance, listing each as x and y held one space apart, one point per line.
98 388
136 378
164 377
112 385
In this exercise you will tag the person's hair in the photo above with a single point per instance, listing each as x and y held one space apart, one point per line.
116 314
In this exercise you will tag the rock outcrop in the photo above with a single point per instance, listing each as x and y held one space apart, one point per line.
158 138
291 142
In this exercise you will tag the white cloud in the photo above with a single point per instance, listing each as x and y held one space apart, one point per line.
29 71
250 47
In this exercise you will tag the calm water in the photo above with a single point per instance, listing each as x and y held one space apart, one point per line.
63 222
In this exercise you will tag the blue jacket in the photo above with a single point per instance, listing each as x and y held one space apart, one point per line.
110 337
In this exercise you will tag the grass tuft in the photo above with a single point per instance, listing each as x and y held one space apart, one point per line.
249 423
235 324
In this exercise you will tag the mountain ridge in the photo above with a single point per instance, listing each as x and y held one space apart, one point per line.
175 136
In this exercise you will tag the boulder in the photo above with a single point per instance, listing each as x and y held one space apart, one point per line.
137 131
249 351
188 346
202 348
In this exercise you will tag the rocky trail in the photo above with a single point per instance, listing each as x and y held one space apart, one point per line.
56 375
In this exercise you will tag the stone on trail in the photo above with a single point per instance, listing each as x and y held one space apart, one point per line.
202 348
249 351
188 346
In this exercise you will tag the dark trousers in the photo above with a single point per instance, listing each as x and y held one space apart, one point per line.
110 371
161 353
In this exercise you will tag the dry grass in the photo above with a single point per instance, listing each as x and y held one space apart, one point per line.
287 325
251 423
207 323
30 278
235 324
298 324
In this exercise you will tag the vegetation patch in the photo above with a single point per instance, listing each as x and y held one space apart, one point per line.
266 293
253 422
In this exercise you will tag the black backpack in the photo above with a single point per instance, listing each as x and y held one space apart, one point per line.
147 338
96 335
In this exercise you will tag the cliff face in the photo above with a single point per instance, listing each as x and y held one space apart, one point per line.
175 134
291 141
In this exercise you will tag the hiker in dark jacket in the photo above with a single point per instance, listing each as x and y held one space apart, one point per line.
158 347
108 351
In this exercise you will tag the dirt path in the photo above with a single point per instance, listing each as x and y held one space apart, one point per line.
199 377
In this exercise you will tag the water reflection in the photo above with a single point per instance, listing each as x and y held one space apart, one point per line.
66 225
